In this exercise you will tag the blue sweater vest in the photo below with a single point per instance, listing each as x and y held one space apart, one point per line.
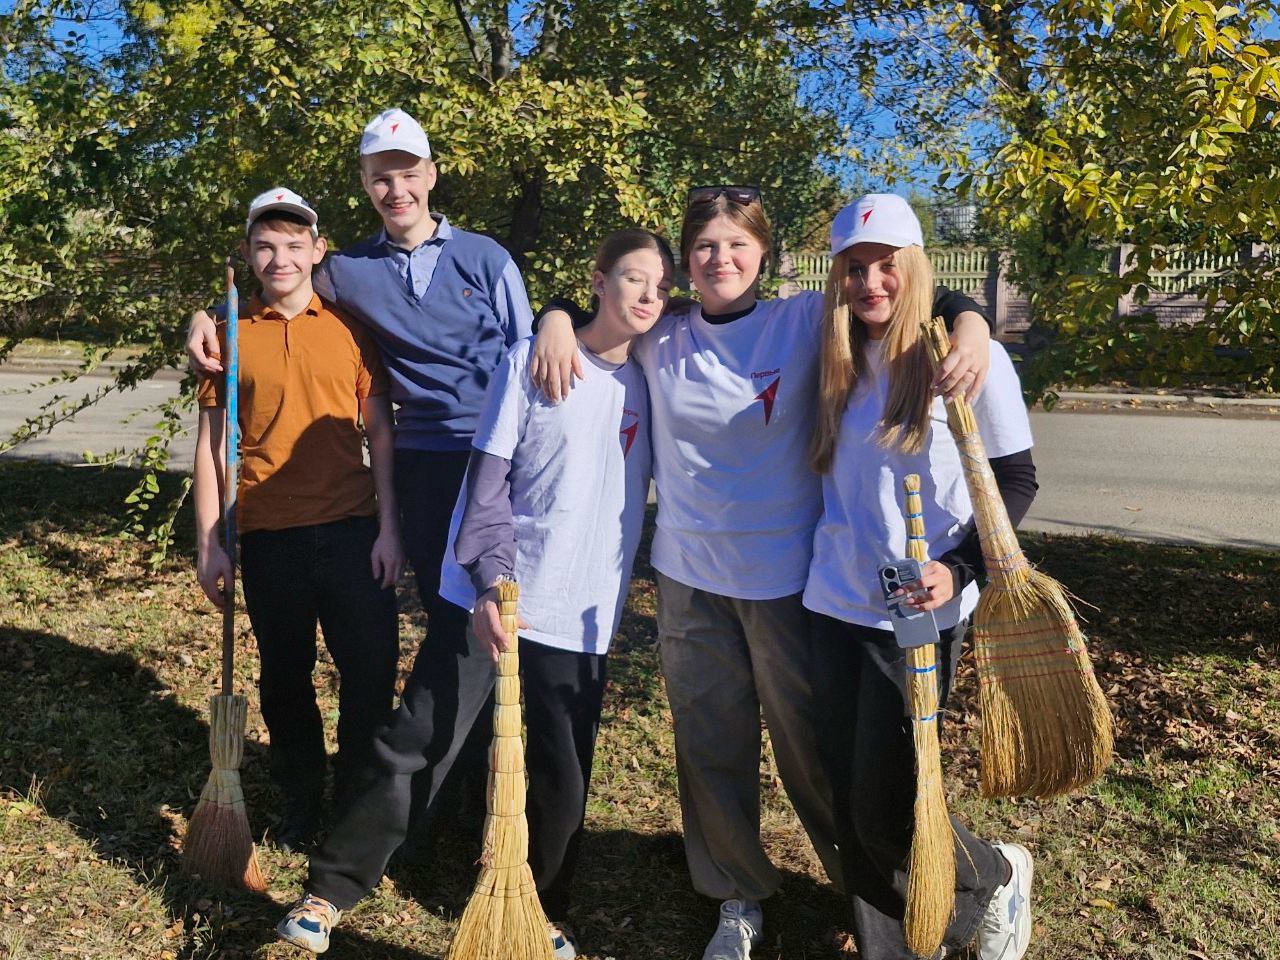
440 351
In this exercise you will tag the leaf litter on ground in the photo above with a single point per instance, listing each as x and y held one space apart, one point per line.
105 670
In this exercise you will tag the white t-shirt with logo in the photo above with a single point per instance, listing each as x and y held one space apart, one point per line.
862 525
733 408
579 479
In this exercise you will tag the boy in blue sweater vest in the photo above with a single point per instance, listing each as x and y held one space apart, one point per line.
444 305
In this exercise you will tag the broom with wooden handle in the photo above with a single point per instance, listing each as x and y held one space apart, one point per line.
1046 728
219 846
504 918
931 869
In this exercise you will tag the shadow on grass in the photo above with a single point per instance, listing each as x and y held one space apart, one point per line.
112 754
63 508
632 897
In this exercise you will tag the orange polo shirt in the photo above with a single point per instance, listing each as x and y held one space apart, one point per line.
301 383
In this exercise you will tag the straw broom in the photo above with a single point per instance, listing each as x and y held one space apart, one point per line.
504 918
1046 727
931 869
219 846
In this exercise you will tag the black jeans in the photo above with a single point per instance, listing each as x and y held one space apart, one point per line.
292 579
563 691
864 732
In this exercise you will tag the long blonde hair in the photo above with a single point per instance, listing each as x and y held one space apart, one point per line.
843 363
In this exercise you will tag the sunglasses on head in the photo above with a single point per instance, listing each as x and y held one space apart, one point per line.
736 194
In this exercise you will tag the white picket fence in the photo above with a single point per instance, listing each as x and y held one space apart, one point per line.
960 268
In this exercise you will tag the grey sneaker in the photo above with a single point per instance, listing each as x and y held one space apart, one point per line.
741 923
1005 931
307 925
564 946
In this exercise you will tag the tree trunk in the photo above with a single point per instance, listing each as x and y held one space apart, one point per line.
526 215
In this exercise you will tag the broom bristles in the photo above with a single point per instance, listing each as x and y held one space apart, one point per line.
1046 727
219 845
504 919
931 865
1045 724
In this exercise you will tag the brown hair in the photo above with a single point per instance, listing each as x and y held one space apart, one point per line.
842 362
291 223
750 217
622 242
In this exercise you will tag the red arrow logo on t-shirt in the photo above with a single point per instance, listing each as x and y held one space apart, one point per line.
768 395
629 437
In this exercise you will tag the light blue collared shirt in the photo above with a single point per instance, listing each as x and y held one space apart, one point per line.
417 266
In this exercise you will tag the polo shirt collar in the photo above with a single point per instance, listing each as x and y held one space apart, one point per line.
260 311
443 232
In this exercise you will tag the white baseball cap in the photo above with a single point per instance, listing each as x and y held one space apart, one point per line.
395 130
279 198
876 218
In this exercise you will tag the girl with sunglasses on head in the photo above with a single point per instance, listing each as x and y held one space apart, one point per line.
877 423
733 387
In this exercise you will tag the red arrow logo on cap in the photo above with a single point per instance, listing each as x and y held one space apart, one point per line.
279 196
867 216
393 126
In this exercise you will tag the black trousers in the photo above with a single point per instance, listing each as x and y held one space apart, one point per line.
449 687
562 693
562 696
294 578
864 731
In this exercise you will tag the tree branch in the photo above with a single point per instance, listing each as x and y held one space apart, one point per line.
465 22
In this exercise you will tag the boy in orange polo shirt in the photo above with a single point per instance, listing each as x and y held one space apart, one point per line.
319 535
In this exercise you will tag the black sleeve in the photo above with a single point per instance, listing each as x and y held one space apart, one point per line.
1016 478
486 544
579 316
949 304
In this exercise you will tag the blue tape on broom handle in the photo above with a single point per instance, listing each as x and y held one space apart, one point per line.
233 407
928 669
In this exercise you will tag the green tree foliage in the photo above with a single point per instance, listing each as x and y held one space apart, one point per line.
127 166
1082 125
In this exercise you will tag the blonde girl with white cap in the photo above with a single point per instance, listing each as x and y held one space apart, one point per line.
878 421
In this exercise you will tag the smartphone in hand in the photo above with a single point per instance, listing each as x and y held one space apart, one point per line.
912 628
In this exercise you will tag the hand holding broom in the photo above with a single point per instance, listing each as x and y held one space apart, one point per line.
219 845
504 918
1046 727
931 869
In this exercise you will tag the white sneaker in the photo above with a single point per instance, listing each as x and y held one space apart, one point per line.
308 923
741 922
1005 931
564 945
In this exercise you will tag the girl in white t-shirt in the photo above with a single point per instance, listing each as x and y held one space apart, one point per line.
877 422
555 497
732 386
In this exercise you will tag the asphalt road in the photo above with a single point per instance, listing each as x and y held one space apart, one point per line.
1194 478
123 419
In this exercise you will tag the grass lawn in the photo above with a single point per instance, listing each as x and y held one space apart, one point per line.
105 670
